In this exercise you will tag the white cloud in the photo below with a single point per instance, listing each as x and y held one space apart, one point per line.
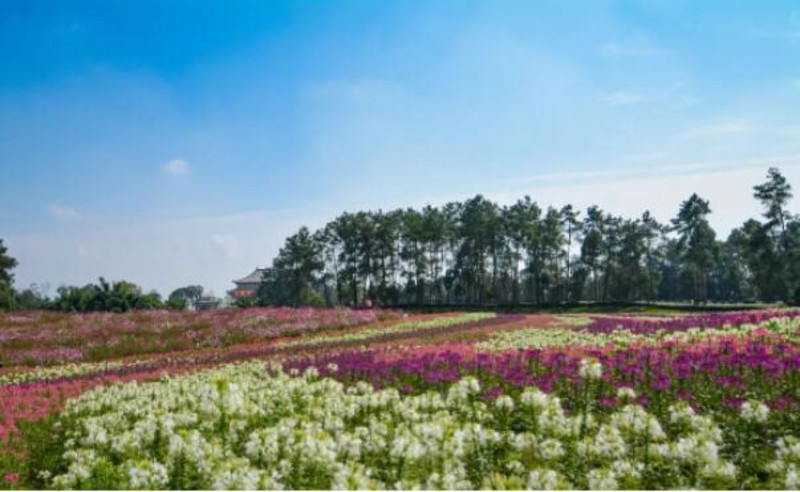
63 212
677 95
635 49
661 190
646 157
721 129
681 95
177 167
652 170
624 97
228 243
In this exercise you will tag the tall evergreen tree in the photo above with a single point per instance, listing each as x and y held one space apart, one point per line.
7 265
593 247
295 270
774 195
696 244
571 226
476 251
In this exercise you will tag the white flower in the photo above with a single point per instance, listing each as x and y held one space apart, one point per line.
626 394
543 480
504 404
754 411
792 478
311 373
245 426
534 397
600 479
590 369
551 449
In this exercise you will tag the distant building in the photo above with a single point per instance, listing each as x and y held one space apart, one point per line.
207 303
248 286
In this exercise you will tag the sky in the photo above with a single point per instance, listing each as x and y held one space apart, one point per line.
172 143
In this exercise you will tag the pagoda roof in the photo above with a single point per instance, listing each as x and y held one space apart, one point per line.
254 278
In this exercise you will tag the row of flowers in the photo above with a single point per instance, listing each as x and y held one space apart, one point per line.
42 338
543 337
388 332
711 373
651 326
379 332
248 426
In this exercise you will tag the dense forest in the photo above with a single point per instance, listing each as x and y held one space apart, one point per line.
478 252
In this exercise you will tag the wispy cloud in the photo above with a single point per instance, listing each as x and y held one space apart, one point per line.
681 95
631 49
624 97
63 212
69 28
647 157
792 36
228 244
177 167
594 176
720 129
728 187
790 33
677 95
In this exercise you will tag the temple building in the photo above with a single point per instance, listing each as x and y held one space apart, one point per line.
247 286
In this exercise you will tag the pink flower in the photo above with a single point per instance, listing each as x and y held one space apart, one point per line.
11 477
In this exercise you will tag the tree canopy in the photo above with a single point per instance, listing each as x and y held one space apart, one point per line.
477 252
7 265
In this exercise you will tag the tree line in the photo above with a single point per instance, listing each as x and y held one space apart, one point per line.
117 296
478 252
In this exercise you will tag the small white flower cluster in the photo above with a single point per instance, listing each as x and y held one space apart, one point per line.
556 337
61 371
590 369
247 426
754 411
786 467
566 336
626 394
788 327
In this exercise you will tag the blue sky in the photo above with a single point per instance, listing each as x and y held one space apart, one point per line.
180 142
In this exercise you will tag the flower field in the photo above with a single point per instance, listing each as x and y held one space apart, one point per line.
372 399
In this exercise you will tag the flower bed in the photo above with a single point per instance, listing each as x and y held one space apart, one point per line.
44 338
244 427
716 398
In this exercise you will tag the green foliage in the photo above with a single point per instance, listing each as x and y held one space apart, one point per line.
31 298
478 252
118 296
183 297
177 303
7 264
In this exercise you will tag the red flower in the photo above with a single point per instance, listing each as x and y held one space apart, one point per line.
11 477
